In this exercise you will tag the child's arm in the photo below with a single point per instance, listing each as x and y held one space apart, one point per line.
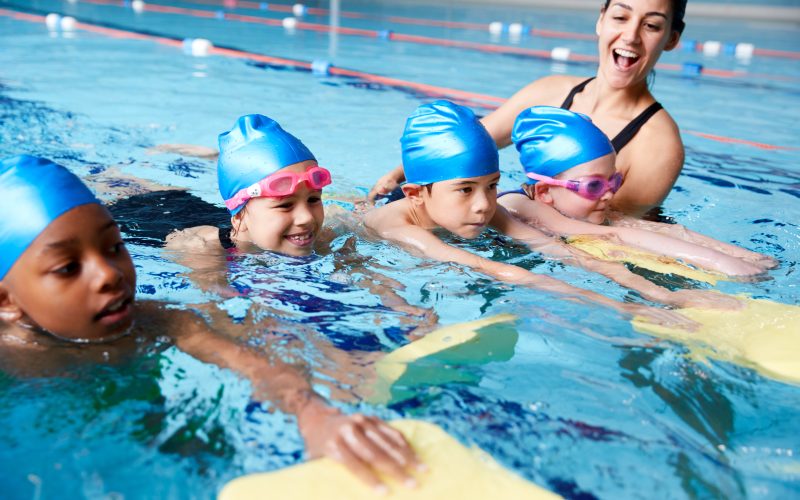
660 244
426 243
682 232
549 245
203 152
365 445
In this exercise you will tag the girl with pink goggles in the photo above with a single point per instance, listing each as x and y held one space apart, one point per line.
591 187
279 185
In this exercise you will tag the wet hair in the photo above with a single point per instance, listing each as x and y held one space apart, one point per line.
678 11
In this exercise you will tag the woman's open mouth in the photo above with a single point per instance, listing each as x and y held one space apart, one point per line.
625 59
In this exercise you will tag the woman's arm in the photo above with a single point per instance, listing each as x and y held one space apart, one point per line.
365 445
387 183
549 91
651 162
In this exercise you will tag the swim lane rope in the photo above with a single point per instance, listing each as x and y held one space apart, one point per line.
560 54
484 101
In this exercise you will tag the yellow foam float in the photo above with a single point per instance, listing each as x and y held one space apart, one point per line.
455 471
609 251
764 336
427 361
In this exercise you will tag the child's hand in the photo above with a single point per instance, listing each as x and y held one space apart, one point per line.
663 317
384 185
365 445
765 262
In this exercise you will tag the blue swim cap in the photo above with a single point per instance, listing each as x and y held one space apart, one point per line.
33 193
552 140
254 148
444 141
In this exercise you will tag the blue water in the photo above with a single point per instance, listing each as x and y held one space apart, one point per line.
586 406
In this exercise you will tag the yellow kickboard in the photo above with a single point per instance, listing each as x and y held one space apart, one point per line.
454 472
425 361
764 336
614 252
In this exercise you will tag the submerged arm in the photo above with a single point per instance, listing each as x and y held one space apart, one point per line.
363 444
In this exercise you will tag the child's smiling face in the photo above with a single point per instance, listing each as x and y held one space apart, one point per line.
75 280
289 225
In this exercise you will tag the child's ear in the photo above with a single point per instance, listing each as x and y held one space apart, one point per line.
542 193
9 310
413 192
238 223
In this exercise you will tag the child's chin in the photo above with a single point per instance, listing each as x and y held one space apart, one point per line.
596 218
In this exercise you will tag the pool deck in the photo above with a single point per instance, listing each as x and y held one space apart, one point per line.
753 12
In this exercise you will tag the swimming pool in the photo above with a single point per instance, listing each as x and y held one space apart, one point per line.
586 406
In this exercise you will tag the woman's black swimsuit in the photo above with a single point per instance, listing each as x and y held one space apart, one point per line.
626 134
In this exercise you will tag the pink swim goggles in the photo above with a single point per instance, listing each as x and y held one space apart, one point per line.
279 185
591 187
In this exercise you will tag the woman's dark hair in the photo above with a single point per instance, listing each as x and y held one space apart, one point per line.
678 11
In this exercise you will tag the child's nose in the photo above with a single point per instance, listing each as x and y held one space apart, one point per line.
107 275
303 215
482 202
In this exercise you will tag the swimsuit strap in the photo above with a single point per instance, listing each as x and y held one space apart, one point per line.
513 191
626 134
225 238
577 89
630 130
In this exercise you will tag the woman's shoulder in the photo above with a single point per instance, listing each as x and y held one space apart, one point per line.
551 90
662 130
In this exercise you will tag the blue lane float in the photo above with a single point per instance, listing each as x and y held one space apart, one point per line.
691 69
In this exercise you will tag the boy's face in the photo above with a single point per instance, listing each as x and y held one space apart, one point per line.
462 206
287 225
571 203
76 279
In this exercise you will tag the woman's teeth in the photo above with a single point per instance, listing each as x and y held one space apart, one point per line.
625 58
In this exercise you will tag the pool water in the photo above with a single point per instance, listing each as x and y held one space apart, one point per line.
586 407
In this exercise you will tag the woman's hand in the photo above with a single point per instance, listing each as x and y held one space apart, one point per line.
387 183
365 445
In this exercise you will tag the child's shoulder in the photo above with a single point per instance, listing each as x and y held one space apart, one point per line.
389 216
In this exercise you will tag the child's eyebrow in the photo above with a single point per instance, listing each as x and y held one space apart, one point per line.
62 244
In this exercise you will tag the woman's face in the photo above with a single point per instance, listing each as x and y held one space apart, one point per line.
632 34
287 225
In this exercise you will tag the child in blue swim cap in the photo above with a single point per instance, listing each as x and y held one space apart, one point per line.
572 179
66 279
272 186
451 166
